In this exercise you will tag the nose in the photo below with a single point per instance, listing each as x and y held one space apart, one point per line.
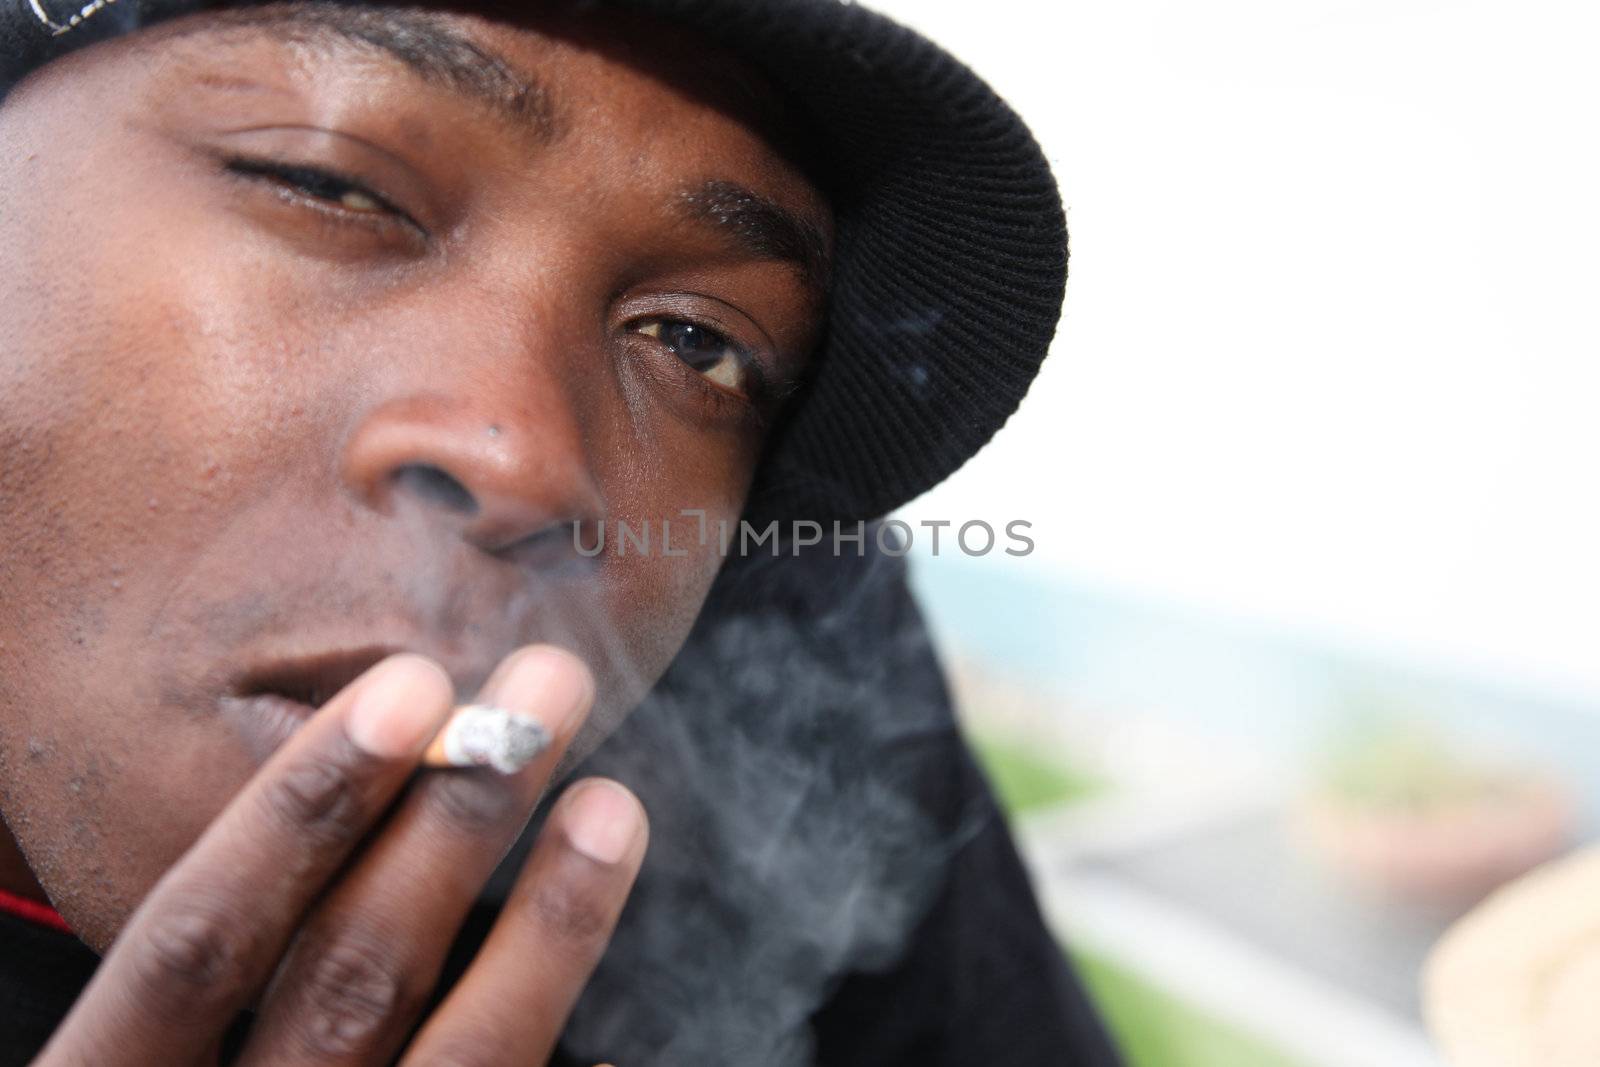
503 474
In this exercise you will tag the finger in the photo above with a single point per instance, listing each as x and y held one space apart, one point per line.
211 931
510 1006
367 958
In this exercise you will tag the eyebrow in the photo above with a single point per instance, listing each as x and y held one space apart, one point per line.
421 42
759 227
439 54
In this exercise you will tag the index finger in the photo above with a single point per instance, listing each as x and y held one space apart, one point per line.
211 931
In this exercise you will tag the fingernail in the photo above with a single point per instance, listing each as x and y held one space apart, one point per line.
602 821
402 703
548 683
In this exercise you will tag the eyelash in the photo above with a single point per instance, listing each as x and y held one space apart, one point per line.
723 400
321 189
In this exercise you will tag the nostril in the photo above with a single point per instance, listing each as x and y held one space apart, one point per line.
434 486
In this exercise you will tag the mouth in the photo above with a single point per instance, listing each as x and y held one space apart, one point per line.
312 681
273 700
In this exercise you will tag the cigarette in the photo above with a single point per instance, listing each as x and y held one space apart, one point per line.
482 735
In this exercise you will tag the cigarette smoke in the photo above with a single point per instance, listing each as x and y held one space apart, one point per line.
794 837
784 760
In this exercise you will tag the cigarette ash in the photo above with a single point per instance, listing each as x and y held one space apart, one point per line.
480 735
793 763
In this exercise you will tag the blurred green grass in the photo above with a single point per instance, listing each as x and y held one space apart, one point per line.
1026 781
1154 1029
1151 1027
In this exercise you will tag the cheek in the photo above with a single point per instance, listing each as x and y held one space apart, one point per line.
654 596
114 410
116 429
674 492
64 503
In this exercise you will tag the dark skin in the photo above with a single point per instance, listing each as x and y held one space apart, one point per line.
315 352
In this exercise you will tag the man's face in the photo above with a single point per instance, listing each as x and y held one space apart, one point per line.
317 337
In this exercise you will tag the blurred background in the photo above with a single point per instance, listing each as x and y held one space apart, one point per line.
1303 663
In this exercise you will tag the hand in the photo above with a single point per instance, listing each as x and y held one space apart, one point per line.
292 901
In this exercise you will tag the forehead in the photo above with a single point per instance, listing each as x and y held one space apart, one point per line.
514 64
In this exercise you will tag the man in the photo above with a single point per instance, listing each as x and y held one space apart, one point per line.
337 341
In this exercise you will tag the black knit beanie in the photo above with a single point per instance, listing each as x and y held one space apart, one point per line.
951 255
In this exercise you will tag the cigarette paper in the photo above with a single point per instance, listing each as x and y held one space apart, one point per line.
482 735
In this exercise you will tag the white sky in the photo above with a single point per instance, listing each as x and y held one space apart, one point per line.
1331 345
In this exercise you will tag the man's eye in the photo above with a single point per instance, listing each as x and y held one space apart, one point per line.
318 183
707 351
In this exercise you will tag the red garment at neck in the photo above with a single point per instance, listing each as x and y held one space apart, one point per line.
33 911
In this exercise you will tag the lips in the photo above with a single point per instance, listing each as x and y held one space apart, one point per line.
273 700
312 681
